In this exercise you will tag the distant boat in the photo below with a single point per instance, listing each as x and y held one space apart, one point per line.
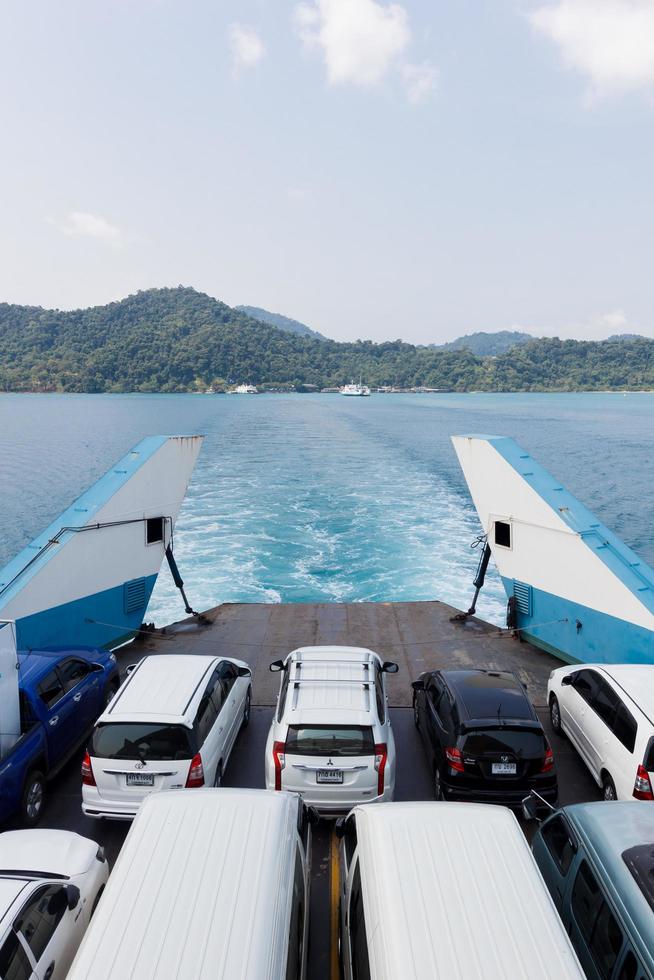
244 390
356 390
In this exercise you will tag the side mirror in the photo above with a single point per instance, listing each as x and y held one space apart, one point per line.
529 808
313 816
568 680
339 827
418 685
389 667
276 665
72 896
243 671
130 668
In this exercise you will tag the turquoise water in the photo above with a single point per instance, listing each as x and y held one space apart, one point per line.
300 498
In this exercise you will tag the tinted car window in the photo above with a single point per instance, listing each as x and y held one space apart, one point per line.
38 919
282 693
205 718
604 701
358 940
559 843
350 839
596 922
625 727
379 694
648 761
607 941
584 684
296 929
586 901
228 675
14 964
524 743
71 672
51 689
138 741
335 740
629 968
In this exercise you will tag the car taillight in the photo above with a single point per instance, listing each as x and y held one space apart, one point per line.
279 759
196 773
548 762
381 755
88 779
455 759
643 785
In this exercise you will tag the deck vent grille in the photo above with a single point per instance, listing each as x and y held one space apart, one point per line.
134 595
522 594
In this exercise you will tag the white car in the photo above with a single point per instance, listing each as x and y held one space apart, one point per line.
50 883
331 738
171 725
607 712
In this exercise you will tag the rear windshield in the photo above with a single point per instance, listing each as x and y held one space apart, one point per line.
524 743
330 740
138 741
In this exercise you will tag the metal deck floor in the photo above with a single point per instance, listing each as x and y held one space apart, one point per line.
418 635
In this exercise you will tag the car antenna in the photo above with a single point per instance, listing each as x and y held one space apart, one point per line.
499 715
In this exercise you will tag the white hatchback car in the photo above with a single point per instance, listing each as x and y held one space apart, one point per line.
171 725
607 712
331 738
50 883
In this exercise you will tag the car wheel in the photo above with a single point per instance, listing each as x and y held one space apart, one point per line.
33 798
555 714
608 789
218 781
416 713
438 789
109 692
246 710
95 901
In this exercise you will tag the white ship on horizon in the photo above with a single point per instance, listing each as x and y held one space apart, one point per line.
354 390
244 390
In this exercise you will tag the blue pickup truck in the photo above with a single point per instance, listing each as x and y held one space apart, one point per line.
62 691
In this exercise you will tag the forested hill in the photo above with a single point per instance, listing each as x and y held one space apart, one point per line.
182 340
487 344
277 320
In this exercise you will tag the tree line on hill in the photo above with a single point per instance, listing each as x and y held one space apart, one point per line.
166 340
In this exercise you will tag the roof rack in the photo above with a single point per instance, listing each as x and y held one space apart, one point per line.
297 681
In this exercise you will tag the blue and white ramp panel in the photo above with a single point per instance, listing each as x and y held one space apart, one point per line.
579 591
87 579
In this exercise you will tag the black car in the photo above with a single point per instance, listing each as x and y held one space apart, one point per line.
483 737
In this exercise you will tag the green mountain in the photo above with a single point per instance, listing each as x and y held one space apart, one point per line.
183 340
277 320
487 344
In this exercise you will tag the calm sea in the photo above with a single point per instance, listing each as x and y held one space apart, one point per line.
301 498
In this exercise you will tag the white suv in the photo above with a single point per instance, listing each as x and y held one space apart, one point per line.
331 738
46 905
171 725
607 712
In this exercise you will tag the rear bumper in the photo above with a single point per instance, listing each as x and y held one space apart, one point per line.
511 796
104 811
335 808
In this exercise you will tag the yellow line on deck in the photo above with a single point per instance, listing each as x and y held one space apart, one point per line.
334 892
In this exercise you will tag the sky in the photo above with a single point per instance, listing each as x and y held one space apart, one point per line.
419 169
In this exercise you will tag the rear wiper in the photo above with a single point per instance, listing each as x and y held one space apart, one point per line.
499 715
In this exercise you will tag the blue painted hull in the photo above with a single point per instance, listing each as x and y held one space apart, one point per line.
553 626
101 620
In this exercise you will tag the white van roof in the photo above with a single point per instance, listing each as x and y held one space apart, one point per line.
452 892
201 888
331 685
160 689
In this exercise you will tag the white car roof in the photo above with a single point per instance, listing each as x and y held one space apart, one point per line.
452 890
331 685
161 689
201 888
637 680
57 852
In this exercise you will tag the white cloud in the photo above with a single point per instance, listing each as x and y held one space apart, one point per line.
297 193
82 224
360 40
419 80
246 46
611 42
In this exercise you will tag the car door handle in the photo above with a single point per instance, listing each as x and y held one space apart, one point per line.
48 973
77 697
53 721
220 729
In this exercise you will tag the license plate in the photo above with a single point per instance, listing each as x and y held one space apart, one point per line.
329 776
504 769
140 779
